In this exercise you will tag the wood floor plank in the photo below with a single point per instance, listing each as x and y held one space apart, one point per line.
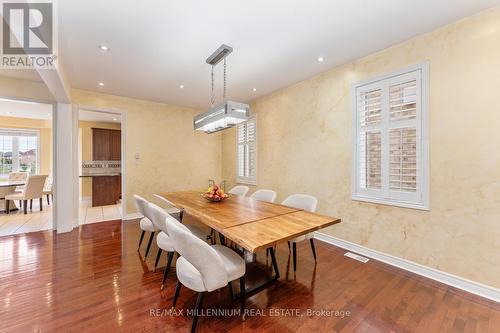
94 280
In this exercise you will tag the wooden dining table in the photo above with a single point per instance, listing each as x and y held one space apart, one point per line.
251 224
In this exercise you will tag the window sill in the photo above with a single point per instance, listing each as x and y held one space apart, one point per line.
401 204
246 181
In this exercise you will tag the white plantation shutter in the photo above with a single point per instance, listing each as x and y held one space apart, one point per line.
391 146
246 154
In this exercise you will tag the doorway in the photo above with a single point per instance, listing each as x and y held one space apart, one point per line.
26 166
100 147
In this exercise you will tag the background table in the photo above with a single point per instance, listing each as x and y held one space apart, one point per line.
8 187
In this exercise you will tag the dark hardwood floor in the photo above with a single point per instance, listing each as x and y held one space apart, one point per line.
93 280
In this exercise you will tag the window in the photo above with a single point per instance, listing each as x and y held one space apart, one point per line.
391 139
246 154
18 151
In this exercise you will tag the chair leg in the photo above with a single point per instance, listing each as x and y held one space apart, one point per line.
7 206
230 286
41 204
197 310
31 204
242 296
48 200
157 259
312 248
149 244
165 273
177 291
294 251
140 239
288 246
25 204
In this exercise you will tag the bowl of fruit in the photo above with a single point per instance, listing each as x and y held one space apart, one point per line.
215 194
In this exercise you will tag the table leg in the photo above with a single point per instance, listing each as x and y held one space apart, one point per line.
256 288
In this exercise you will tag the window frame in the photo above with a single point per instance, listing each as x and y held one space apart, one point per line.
246 180
24 130
386 196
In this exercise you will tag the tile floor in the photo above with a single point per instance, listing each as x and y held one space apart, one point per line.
18 223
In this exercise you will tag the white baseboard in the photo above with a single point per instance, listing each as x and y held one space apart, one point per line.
431 273
133 216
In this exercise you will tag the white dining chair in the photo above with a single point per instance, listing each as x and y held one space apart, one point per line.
239 190
307 203
204 268
171 209
145 224
32 190
164 242
18 177
47 190
264 195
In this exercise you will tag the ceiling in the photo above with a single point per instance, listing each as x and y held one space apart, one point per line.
107 117
156 46
20 109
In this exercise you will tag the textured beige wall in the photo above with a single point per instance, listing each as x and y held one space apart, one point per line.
14 88
45 128
172 155
305 141
86 149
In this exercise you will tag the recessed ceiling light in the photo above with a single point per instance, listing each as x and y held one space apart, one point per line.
8 112
104 48
320 59
115 119
254 89
101 84
181 86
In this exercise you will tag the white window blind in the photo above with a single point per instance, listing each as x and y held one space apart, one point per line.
391 146
246 154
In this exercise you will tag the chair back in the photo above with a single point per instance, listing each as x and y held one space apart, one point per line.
301 201
48 184
18 176
239 190
142 205
165 200
199 254
160 217
34 187
264 195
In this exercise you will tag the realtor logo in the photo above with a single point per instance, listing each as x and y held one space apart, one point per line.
28 34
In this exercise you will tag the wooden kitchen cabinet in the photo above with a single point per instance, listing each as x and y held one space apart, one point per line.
106 146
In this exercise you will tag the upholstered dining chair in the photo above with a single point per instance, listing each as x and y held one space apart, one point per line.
204 268
47 190
164 242
307 203
264 195
18 177
145 224
32 190
239 190
171 209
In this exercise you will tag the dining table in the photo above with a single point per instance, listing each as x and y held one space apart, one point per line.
251 224
8 187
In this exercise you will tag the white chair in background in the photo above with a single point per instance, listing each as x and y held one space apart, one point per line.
264 195
164 242
307 203
32 190
18 177
145 224
47 190
171 209
239 190
204 268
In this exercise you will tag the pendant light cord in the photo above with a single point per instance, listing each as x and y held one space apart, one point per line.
212 101
224 93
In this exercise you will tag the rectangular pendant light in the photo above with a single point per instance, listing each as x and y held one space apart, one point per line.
222 116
